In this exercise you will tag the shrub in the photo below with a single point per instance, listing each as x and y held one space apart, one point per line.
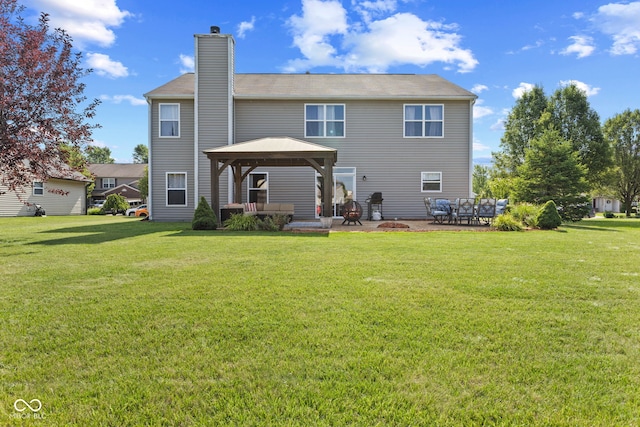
525 213
241 222
548 218
95 211
204 218
506 222
609 214
115 204
274 223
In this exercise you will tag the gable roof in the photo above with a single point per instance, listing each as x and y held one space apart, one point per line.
323 86
116 170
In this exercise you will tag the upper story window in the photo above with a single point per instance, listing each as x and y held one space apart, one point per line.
424 121
38 189
170 120
108 183
431 181
324 120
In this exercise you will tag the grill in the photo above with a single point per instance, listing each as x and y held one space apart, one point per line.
374 203
352 212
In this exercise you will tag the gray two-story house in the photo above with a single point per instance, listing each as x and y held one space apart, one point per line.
403 135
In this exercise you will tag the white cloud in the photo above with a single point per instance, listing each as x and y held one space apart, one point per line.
478 88
587 89
312 31
118 99
374 45
478 146
622 23
87 21
187 63
498 125
245 26
582 46
480 111
104 66
520 90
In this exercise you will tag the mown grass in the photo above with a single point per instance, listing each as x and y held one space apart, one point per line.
113 321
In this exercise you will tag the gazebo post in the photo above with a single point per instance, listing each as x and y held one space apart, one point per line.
327 209
215 192
237 187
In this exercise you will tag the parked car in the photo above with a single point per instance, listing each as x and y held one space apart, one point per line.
98 204
142 212
132 211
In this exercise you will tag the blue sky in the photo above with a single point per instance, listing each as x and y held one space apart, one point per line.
496 49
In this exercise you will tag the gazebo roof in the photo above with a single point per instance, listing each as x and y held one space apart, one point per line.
273 151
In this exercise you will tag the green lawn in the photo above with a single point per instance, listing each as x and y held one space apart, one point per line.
110 321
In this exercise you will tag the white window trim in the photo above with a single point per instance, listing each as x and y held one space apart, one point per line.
41 188
104 180
324 121
422 182
160 120
423 120
166 187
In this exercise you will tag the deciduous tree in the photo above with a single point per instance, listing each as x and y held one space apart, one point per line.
140 154
623 134
41 99
521 127
99 155
568 111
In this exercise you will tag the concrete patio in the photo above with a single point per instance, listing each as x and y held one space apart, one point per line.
313 225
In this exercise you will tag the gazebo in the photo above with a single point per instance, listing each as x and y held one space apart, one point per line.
270 151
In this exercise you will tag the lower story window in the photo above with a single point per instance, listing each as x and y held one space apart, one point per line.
431 181
176 189
38 189
258 187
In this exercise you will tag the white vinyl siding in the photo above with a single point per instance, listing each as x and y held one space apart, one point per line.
176 189
424 121
431 182
324 120
169 120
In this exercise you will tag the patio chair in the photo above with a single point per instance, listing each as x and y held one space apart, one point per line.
501 206
486 210
434 211
466 210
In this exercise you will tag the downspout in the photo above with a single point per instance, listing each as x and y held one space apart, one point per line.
471 103
150 162
196 136
231 115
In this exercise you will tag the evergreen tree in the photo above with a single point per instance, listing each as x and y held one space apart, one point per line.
552 171
204 218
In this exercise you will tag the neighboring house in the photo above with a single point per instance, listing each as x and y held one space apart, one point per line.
406 136
606 204
117 178
61 194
